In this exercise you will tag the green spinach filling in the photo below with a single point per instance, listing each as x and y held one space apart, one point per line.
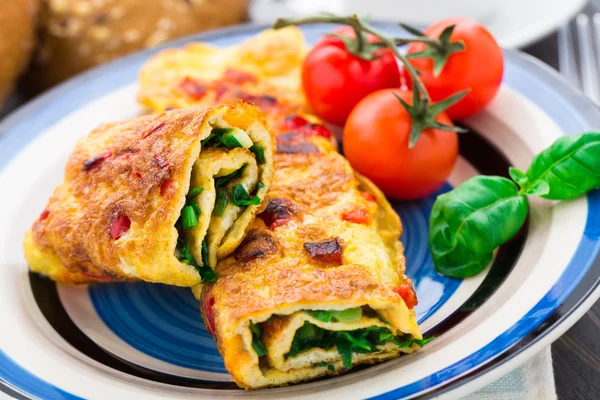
364 340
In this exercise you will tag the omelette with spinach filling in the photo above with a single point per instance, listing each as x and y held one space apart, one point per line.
159 198
318 285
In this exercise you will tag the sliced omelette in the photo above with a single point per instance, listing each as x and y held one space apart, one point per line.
318 285
158 198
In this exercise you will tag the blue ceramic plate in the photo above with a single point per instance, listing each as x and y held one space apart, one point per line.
145 340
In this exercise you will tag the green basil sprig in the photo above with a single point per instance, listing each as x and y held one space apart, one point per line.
468 223
566 170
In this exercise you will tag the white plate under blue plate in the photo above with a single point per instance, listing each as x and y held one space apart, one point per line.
148 341
514 23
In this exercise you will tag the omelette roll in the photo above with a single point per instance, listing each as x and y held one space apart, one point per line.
159 198
318 285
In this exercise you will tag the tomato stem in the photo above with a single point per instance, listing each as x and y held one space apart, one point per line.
422 112
360 26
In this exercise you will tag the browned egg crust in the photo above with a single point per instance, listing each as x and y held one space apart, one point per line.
122 193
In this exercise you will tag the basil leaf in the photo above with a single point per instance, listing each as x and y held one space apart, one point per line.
567 169
469 222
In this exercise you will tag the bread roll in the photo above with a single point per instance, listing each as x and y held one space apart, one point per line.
79 34
17 29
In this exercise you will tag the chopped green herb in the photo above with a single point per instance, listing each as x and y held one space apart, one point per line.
330 367
195 192
196 208
221 202
234 137
259 153
320 364
257 343
222 181
241 198
206 273
255 329
347 315
188 217
259 186
230 142
204 252
204 142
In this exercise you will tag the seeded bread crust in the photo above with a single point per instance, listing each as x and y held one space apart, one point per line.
79 34
17 37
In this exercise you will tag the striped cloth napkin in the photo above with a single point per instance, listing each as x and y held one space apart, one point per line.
532 381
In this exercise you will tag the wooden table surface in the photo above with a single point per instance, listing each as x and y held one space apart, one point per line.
576 355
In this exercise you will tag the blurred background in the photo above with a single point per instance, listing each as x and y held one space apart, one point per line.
44 42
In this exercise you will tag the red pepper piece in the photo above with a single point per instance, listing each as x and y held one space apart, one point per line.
294 121
96 161
192 88
408 294
207 305
368 196
220 91
44 215
151 131
119 226
137 175
358 215
239 77
316 130
160 161
166 187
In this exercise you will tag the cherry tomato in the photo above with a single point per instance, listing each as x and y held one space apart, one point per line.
478 67
408 294
335 80
376 144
